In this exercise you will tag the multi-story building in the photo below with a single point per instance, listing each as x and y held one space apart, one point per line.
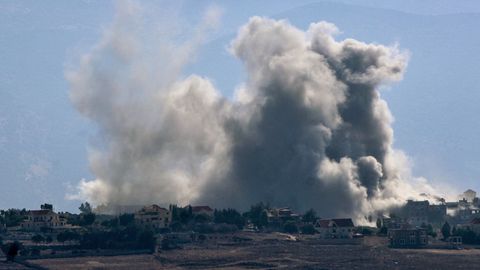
45 218
418 213
469 195
153 217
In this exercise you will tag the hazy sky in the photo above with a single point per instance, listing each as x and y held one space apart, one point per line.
44 141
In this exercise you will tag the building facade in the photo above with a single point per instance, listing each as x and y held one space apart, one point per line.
37 220
418 213
202 210
153 217
342 228
408 237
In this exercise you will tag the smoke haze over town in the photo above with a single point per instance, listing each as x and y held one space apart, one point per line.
199 101
308 128
226 134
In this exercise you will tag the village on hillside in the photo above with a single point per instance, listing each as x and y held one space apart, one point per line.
27 235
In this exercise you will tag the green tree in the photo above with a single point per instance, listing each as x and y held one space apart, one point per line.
383 231
229 216
85 208
468 236
258 215
290 227
379 223
126 219
454 231
308 229
87 219
446 230
48 239
37 238
11 250
176 226
111 223
62 237
185 214
146 240
202 218
13 217
310 216
431 231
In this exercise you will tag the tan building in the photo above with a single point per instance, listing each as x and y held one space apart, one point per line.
153 217
42 219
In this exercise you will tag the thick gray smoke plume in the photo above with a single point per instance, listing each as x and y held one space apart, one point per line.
308 128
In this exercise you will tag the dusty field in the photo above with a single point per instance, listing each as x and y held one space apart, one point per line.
11 266
275 253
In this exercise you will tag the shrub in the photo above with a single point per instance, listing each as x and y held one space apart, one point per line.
226 228
11 250
290 227
446 230
204 228
308 229
37 238
126 219
146 240
48 239
35 252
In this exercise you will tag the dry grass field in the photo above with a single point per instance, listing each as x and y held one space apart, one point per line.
267 252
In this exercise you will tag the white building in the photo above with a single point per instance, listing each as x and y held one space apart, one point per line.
335 228
469 195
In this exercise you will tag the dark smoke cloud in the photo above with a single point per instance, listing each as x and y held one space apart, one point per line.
308 129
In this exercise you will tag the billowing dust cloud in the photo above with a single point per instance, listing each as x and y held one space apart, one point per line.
307 129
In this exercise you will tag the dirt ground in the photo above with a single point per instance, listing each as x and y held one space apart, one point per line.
11 266
267 252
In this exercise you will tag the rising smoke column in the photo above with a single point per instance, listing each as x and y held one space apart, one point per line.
308 129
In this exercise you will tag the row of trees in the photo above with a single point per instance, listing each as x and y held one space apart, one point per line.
12 217
183 218
468 236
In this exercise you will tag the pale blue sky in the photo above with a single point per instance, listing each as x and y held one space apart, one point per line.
43 140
